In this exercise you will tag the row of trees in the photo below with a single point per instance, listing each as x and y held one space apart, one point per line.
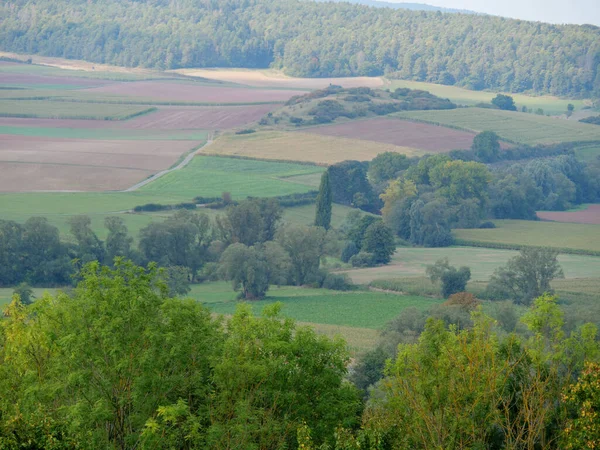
119 364
311 39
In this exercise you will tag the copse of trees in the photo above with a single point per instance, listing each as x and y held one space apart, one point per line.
505 102
454 49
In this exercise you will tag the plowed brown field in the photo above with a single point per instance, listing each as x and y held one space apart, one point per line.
402 133
189 92
166 118
31 163
21 78
589 215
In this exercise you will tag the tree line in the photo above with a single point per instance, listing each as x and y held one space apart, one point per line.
118 363
423 199
310 39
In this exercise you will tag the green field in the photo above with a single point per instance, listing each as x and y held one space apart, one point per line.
412 262
103 134
210 176
354 309
550 105
513 126
7 293
576 236
69 110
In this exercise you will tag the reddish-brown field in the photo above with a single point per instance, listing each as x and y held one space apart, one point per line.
199 118
190 92
589 215
21 78
33 164
166 118
422 136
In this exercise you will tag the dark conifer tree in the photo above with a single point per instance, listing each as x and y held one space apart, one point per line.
324 203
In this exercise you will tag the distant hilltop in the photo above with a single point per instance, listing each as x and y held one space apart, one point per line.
409 6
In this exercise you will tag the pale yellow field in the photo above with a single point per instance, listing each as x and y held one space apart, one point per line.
276 78
78 65
295 146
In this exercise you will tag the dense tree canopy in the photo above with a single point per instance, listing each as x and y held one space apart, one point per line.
311 39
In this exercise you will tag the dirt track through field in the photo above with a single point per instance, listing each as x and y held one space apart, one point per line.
589 215
179 166
402 133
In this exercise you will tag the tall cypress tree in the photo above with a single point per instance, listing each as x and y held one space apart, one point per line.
324 200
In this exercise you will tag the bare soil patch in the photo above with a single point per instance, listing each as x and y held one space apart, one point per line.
589 215
23 177
430 138
189 92
272 78
32 163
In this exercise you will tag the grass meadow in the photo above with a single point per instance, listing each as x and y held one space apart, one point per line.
69 110
210 176
513 126
576 236
550 105
412 262
361 309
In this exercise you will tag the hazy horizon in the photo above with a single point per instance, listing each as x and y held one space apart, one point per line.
552 11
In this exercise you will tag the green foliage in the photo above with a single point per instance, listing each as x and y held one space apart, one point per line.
118 242
253 269
379 241
372 42
305 246
453 280
486 146
25 293
182 240
350 186
505 102
254 220
583 428
47 261
268 384
526 276
386 166
101 361
324 203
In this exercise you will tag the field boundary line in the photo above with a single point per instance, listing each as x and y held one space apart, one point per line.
179 166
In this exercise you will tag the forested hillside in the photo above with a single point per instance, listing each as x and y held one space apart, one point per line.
311 40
